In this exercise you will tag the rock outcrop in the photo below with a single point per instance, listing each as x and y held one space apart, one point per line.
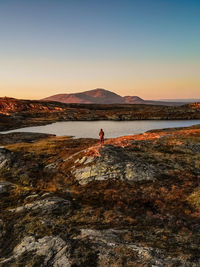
52 251
115 163
45 206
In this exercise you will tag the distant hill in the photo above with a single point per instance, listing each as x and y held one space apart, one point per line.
138 100
102 96
96 96
193 100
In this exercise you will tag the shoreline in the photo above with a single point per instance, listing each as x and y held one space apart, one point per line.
16 113
73 134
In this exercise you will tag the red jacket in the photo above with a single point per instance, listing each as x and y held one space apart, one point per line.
101 134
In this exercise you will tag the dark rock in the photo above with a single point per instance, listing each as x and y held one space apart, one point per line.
5 187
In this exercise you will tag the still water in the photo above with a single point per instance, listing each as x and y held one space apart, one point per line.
112 129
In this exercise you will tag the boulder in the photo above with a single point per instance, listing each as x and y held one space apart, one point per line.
53 249
116 164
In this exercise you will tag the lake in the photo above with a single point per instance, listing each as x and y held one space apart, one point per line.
90 129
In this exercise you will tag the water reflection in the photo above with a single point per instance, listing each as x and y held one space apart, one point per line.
112 129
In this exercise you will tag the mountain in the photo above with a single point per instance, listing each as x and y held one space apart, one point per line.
102 96
133 100
96 96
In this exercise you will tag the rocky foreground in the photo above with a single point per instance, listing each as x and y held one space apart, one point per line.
70 202
15 113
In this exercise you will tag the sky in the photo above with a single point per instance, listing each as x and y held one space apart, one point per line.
148 48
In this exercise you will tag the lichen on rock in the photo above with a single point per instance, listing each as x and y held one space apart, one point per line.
53 249
110 166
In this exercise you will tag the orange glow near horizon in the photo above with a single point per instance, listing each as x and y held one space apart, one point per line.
148 81
170 89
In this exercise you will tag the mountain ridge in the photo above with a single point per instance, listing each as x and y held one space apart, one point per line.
103 96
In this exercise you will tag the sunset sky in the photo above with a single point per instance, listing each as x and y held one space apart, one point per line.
149 48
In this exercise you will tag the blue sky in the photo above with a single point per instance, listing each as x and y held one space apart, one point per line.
146 48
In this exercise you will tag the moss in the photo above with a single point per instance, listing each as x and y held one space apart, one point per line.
83 254
28 260
194 198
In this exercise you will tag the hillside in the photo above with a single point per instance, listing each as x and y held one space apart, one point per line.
12 105
102 96
70 202
138 100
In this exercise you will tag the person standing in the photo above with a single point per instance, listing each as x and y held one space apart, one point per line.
101 135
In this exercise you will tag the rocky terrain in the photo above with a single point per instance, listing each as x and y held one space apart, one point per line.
102 96
16 113
70 202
